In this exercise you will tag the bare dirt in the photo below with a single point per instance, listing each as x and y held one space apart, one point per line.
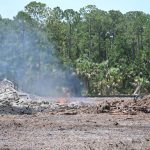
102 131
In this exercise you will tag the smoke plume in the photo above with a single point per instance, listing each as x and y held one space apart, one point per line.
27 58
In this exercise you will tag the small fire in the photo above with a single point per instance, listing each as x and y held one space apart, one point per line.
62 100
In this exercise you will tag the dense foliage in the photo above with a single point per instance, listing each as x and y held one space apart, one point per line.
109 51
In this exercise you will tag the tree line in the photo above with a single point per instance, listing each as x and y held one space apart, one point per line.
108 51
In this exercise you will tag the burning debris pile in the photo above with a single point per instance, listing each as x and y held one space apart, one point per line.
15 102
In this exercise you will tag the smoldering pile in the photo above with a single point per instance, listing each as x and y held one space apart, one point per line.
13 101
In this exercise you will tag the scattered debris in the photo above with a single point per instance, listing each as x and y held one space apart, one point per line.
116 123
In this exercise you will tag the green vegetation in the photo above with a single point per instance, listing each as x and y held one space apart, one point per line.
109 51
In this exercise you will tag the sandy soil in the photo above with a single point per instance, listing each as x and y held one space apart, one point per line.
44 131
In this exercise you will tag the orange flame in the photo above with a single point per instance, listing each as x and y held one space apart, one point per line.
62 100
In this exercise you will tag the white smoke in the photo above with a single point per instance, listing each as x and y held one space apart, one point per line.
27 58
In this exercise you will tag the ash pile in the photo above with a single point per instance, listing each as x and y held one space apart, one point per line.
10 100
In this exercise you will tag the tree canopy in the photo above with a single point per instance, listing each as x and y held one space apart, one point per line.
104 52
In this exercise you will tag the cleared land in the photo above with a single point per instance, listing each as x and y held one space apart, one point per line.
72 132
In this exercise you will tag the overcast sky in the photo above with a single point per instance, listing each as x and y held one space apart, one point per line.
10 8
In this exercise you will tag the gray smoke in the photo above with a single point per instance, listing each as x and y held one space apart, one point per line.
27 58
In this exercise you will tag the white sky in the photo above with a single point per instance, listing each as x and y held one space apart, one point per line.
10 8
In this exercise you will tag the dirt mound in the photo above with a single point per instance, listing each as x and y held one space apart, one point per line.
143 104
145 101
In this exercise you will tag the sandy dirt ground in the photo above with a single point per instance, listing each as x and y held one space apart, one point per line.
104 131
